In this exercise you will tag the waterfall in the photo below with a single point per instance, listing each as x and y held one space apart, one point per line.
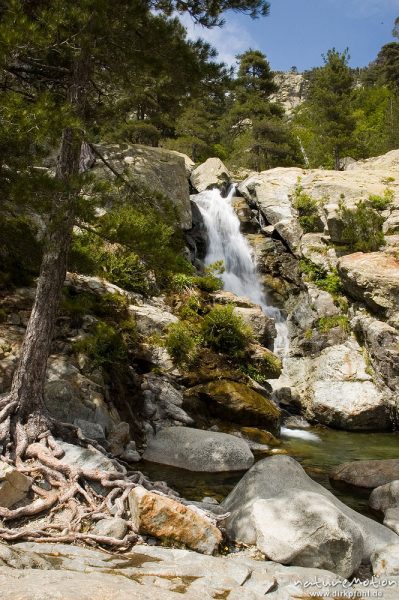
226 243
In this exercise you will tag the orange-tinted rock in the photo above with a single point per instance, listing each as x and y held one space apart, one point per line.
167 519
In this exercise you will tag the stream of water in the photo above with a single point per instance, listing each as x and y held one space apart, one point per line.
318 449
226 243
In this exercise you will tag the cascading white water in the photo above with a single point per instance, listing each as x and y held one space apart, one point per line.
226 243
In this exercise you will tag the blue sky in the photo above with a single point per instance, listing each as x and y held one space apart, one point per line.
298 32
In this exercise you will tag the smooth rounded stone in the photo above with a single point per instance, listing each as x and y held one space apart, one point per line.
305 529
130 453
114 528
385 496
367 474
391 519
198 450
277 476
158 169
344 393
385 561
87 458
151 319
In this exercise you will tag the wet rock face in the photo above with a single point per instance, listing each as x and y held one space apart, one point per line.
47 571
167 519
198 450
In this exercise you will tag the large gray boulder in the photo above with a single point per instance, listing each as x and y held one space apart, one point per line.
210 174
157 169
197 450
151 319
366 474
372 278
280 476
306 529
337 389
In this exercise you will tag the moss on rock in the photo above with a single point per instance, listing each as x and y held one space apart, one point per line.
236 402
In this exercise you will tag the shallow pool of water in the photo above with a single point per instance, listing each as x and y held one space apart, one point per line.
334 447
321 451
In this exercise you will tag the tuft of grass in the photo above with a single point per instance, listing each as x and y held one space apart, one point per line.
325 324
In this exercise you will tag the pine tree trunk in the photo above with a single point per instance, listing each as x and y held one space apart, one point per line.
337 159
28 383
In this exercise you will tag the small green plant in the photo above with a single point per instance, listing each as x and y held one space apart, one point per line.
112 306
105 347
329 281
254 374
307 208
181 343
387 180
381 202
208 282
362 229
324 324
226 332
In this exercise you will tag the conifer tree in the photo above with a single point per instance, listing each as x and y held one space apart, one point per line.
61 64
328 110
255 128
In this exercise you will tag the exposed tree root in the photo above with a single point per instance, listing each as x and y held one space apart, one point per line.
64 502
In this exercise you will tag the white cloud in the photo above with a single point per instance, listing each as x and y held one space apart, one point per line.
229 40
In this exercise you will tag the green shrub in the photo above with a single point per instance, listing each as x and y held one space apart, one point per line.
208 282
105 347
139 132
324 324
20 251
126 270
362 227
381 202
307 208
180 343
76 305
136 248
329 281
226 332
112 305
254 373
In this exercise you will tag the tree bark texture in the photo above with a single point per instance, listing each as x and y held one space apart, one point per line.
29 378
